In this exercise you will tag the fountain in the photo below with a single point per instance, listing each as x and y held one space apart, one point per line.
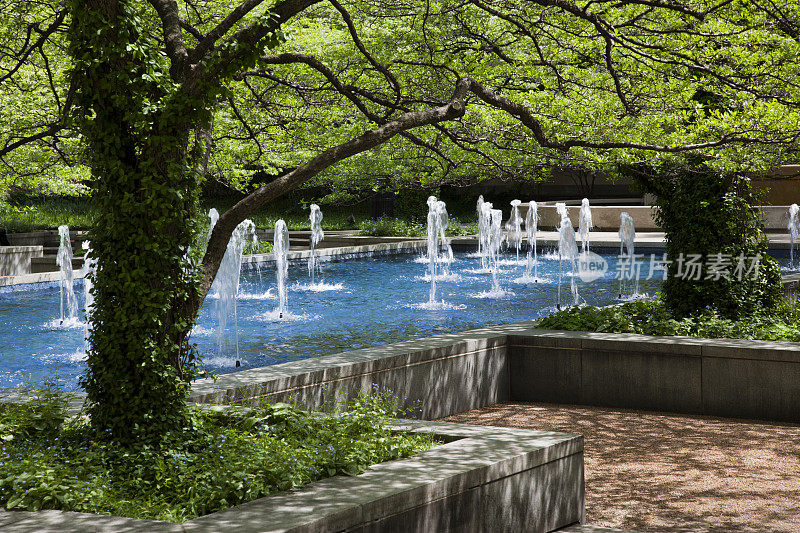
794 232
627 235
213 216
316 236
495 241
66 280
561 210
227 280
438 220
514 227
281 250
444 221
484 210
531 227
567 249
585 224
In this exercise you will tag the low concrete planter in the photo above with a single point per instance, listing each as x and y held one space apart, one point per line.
606 218
453 373
721 377
487 479
791 287
16 260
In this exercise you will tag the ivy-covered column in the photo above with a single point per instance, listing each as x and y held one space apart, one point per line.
135 121
711 217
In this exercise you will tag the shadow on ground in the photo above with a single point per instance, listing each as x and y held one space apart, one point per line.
673 473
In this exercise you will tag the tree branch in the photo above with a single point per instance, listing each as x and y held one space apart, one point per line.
171 26
370 139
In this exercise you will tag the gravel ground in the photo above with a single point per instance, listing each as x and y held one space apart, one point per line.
651 471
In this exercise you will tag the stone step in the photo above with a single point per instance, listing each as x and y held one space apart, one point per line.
48 264
48 238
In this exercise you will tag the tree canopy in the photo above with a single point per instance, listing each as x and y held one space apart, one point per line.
153 96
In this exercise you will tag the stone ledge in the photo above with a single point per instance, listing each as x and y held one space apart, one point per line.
430 489
677 345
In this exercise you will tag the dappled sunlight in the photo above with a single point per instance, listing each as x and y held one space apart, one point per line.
650 471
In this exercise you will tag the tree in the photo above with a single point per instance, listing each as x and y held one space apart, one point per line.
711 218
459 88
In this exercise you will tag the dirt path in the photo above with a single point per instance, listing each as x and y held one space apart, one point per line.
673 473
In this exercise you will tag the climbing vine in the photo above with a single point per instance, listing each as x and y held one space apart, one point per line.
136 122
714 216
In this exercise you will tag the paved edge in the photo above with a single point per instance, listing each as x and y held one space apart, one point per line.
480 456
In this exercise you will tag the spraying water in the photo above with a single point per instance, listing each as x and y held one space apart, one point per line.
561 209
213 216
567 250
794 231
585 224
281 250
316 236
438 220
89 268
495 241
66 280
531 227
514 227
484 210
444 220
227 280
627 236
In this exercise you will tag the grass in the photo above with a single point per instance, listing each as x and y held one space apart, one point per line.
51 461
46 213
38 213
395 227
649 316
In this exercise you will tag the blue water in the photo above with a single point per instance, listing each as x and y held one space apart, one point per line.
371 301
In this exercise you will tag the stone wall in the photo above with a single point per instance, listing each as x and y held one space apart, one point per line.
16 260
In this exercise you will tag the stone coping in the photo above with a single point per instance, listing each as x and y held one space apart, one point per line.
39 277
343 252
650 241
323 369
479 455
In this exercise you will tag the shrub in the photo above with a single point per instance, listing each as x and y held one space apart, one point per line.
707 213
228 457
650 316
395 227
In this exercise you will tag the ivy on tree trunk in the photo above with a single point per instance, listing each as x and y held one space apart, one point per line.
136 123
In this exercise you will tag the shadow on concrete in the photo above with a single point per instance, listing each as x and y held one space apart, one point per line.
673 473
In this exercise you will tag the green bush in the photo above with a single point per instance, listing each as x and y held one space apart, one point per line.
395 227
707 213
650 316
229 457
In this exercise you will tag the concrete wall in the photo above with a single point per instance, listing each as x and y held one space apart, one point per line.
16 260
454 373
47 238
791 287
723 377
434 377
606 218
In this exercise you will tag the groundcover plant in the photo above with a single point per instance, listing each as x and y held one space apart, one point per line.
53 461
